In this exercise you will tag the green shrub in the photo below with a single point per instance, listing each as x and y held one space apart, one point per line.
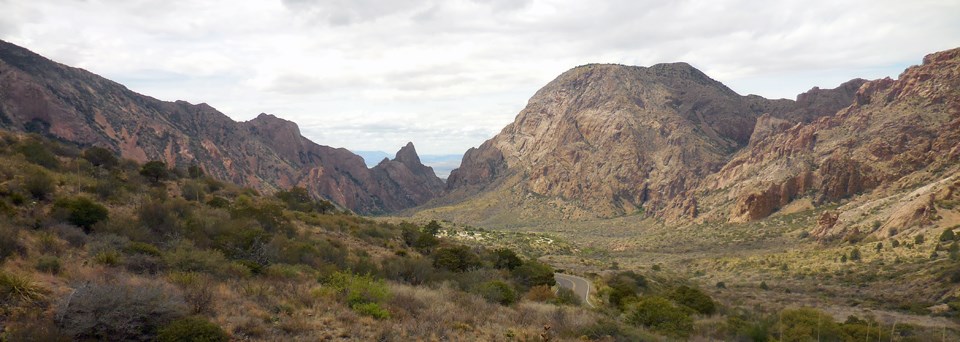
187 258
694 299
107 258
506 259
659 314
947 235
39 184
38 153
193 190
533 273
81 211
34 330
497 292
192 329
855 254
155 171
805 324
143 248
218 202
48 264
456 259
101 157
624 287
413 271
371 309
356 290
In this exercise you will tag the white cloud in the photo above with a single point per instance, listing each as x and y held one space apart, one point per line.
374 74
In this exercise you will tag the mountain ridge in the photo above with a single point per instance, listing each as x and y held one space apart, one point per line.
266 153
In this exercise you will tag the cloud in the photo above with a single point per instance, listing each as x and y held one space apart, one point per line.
374 74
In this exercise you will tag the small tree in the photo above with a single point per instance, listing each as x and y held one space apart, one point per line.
155 171
855 254
694 299
879 246
82 212
101 157
507 259
455 259
947 235
919 239
533 273
432 228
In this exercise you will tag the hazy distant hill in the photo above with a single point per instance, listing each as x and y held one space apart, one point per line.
442 164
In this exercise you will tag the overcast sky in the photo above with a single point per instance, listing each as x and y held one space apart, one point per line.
447 75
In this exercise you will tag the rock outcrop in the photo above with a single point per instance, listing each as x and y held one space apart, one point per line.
892 129
266 153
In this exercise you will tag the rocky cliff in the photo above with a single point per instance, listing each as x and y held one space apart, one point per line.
609 140
266 153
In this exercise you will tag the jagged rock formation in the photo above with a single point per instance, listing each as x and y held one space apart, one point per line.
608 140
266 153
893 129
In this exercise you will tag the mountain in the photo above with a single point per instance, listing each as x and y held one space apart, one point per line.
266 153
442 164
891 155
611 140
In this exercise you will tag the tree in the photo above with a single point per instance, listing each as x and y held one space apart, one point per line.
432 228
506 259
947 235
155 171
855 254
533 273
879 246
694 299
101 157
195 171
82 212
455 259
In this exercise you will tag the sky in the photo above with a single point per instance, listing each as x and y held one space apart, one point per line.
449 74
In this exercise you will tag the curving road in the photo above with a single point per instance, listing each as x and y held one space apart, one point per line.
579 285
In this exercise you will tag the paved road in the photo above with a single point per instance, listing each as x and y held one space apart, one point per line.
580 286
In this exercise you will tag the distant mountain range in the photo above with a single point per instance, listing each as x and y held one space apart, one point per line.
442 164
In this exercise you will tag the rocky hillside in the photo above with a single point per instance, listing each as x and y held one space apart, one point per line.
896 135
266 153
609 140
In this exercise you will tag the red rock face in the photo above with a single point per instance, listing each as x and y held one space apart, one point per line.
266 153
891 130
608 140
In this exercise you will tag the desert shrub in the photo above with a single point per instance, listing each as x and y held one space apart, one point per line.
298 199
659 314
39 184
119 312
42 330
371 309
81 211
71 234
101 157
186 258
919 239
624 287
566 296
142 248
533 273
38 153
456 259
144 264
16 288
497 291
192 329
357 290
855 254
746 328
10 242
218 202
608 329
197 290
268 213
506 259
193 190
425 242
413 271
540 293
694 299
49 243
49 264
164 217
107 258
805 324
432 228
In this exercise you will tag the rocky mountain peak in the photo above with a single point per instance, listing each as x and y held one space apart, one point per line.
408 155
